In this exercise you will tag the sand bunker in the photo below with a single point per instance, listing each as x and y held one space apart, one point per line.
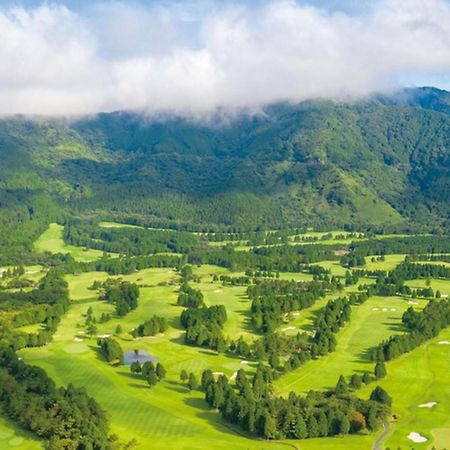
384 309
245 362
102 336
295 313
416 437
233 377
217 291
410 302
374 309
217 373
393 309
288 328
444 342
428 405
78 339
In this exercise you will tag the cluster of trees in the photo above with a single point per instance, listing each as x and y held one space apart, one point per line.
251 405
128 240
45 305
410 271
111 350
190 380
65 417
152 373
150 327
422 326
13 272
190 297
410 245
280 258
204 326
123 294
271 299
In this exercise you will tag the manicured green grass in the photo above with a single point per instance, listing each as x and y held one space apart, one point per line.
390 262
117 225
168 416
11 437
437 285
51 241
416 378
368 326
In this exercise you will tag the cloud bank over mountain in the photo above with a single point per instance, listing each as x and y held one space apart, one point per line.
192 58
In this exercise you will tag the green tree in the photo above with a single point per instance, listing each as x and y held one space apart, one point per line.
341 386
160 371
381 396
183 376
344 425
152 378
300 428
355 382
270 427
192 382
366 377
380 370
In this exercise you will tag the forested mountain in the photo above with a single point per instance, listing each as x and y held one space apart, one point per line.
383 161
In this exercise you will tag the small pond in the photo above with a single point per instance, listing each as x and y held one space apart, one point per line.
139 355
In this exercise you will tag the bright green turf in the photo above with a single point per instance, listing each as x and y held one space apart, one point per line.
51 241
117 225
441 285
365 330
168 416
12 437
390 262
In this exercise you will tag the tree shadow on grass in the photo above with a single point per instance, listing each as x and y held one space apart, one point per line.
205 412
397 327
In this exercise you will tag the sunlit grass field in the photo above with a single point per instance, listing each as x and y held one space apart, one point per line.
51 241
169 416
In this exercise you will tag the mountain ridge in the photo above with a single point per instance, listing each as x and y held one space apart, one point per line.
382 161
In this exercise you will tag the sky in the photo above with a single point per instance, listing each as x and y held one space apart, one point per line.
197 57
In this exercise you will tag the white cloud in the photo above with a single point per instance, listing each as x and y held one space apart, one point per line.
192 58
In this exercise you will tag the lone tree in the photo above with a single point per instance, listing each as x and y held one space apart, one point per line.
183 376
136 367
380 370
192 382
160 371
355 381
366 377
381 396
341 386
152 379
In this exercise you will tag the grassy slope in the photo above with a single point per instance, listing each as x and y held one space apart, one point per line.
11 436
51 241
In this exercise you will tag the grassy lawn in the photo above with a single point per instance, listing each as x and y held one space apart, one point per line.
169 416
51 241
368 326
11 436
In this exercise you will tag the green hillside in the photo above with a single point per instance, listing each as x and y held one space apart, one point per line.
382 162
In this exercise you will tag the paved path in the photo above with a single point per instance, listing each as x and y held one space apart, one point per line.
386 426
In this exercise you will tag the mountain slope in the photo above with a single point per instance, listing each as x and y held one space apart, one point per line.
383 161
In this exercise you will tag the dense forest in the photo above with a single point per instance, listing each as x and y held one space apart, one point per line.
375 164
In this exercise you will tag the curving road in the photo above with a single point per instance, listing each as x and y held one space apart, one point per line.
386 426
